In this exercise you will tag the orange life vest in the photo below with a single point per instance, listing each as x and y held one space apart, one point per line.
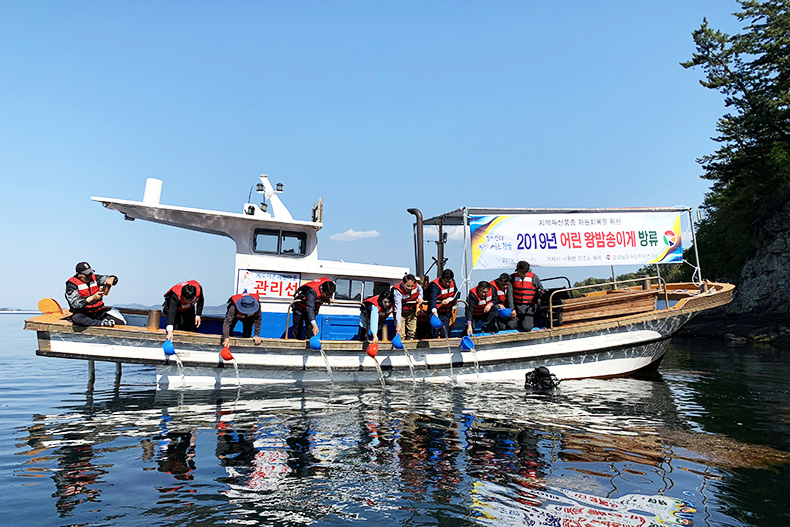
501 294
315 285
374 301
523 289
86 290
444 293
480 303
409 300
183 304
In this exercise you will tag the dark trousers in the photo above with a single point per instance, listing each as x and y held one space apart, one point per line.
301 325
489 323
506 323
185 320
444 331
524 316
246 327
84 319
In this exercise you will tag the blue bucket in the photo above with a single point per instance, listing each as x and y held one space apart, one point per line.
397 343
436 322
505 312
315 342
467 344
168 347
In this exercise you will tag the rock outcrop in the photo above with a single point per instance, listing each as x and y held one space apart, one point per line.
765 279
760 311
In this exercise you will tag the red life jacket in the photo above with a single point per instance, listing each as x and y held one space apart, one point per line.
409 300
374 301
443 295
523 289
480 303
301 297
501 294
183 304
86 290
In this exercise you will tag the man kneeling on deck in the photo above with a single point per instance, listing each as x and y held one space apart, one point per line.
183 307
84 293
244 308
523 295
480 307
309 299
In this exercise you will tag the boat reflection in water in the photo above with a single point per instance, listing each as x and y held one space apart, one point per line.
594 452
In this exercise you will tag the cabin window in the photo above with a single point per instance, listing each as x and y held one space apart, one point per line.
271 241
293 242
266 241
358 290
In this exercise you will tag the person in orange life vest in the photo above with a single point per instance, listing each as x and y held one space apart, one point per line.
500 287
244 308
84 295
407 297
442 296
480 306
310 297
373 313
523 295
183 307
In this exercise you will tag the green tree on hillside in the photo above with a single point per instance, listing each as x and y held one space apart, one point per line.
750 171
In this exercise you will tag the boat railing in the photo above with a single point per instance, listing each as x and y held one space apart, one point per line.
336 302
646 282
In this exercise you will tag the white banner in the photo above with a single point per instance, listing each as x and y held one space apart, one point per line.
267 285
575 239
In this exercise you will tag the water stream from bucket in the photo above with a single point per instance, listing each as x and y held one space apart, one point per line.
450 352
411 365
381 373
180 370
236 367
328 367
477 365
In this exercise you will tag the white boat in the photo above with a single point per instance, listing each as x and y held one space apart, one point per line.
608 333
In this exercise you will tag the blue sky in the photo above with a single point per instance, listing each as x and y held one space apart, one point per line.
374 106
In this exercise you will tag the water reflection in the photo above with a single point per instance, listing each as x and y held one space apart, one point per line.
617 452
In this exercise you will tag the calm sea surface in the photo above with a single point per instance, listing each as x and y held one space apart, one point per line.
706 442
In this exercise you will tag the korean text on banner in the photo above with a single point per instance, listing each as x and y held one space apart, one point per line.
575 239
267 285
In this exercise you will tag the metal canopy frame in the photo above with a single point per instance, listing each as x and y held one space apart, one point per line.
460 217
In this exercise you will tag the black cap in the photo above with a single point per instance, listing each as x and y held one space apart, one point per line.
84 268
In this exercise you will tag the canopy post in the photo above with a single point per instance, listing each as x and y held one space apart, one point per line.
467 247
698 271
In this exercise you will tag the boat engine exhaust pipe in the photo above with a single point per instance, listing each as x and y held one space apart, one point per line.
418 256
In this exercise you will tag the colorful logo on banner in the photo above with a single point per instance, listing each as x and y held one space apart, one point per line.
576 239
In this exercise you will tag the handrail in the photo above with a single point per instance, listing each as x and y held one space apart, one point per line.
662 287
556 278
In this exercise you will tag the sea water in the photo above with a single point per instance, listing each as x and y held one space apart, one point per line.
705 442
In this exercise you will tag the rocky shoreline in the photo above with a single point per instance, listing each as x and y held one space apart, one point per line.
763 328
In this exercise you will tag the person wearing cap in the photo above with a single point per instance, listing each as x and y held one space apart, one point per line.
244 308
85 292
183 307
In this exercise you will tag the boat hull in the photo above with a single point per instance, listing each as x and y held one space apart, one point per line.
614 347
